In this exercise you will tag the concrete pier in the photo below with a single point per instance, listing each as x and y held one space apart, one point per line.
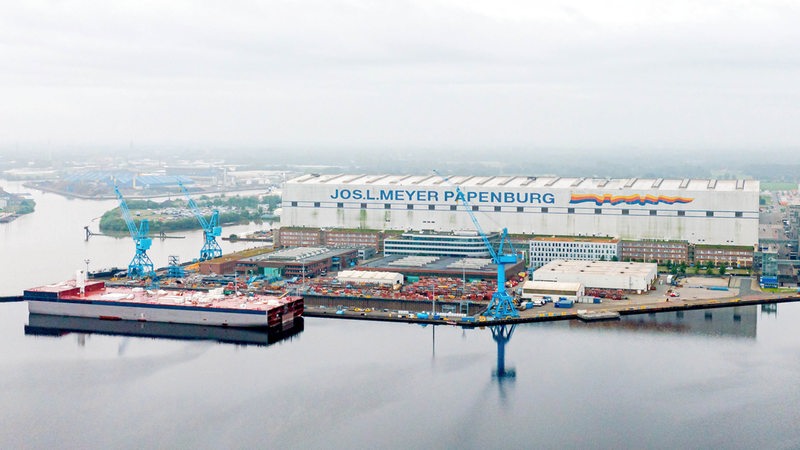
549 313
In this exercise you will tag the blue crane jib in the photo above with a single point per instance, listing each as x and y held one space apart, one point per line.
140 266
211 228
501 305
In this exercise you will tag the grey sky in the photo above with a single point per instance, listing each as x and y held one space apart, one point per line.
331 73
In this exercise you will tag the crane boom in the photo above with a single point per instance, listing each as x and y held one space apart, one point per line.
211 228
126 214
193 205
140 266
486 242
501 305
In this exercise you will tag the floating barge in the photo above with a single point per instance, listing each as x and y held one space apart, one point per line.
57 326
93 299
595 316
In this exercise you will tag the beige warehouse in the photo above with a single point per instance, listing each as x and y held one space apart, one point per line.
628 276
371 277
539 289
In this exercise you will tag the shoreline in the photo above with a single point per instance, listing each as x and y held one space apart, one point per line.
548 313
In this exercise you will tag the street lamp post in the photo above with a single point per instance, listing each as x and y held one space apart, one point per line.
87 267
463 280
433 302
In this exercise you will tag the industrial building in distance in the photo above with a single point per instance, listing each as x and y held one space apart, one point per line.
447 266
635 219
714 212
293 262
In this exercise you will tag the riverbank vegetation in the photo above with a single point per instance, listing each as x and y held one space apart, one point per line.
13 205
175 215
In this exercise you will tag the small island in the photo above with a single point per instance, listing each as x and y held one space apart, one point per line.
175 215
14 205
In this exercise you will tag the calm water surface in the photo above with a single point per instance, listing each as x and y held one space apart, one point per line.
723 378
48 245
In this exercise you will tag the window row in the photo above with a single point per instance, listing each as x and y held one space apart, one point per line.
571 245
520 209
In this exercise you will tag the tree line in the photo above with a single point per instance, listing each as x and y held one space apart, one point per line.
245 209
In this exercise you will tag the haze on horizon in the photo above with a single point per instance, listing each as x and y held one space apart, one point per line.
475 75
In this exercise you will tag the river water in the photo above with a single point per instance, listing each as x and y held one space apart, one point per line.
723 378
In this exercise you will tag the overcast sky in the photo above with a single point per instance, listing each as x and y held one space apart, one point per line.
431 73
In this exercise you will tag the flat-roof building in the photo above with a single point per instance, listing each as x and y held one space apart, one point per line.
708 212
311 236
533 289
370 277
657 250
723 254
442 266
466 244
546 249
301 261
626 276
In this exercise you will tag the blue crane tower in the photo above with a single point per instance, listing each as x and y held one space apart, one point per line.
501 306
211 229
140 266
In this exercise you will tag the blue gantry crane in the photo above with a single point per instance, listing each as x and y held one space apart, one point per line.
140 266
211 229
501 306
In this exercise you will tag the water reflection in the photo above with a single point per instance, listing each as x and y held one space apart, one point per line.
43 254
739 322
769 309
501 334
57 326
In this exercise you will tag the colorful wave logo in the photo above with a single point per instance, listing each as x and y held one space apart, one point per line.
627 199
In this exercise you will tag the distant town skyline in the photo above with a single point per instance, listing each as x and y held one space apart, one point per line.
335 75
763 165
